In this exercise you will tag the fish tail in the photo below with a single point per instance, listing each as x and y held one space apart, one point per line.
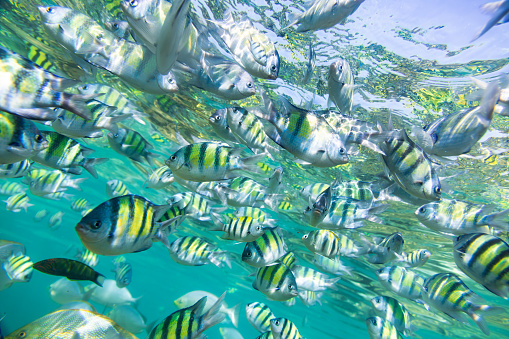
249 163
110 122
77 104
233 314
330 283
74 183
479 320
498 220
489 99
99 279
213 316
272 200
89 164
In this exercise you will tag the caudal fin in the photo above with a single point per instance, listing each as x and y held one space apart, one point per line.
89 164
233 314
213 316
498 220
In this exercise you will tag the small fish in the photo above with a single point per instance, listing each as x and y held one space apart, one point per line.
402 281
176 214
33 174
484 258
394 312
310 66
11 188
341 85
67 155
384 250
447 293
219 122
255 213
330 244
312 191
55 220
332 266
323 14
87 257
64 324
189 322
310 298
116 188
123 273
194 205
194 251
129 318
80 204
285 206
53 182
459 217
160 178
209 161
64 291
266 249
71 269
40 215
312 280
415 258
109 294
122 225
15 203
121 29
289 260
18 267
275 181
282 328
259 315
379 328
244 191
15 170
315 214
244 229
131 144
276 281
20 139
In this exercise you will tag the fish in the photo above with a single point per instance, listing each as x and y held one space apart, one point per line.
176 214
27 89
53 182
282 328
116 188
310 66
289 260
254 213
310 298
194 205
394 312
275 181
402 281
18 267
245 192
15 169
79 205
109 294
312 280
252 49
323 14
131 144
189 322
209 161
123 272
40 215
330 244
315 213
379 328
457 133
20 139
194 251
15 203
33 174
8 248
415 258
192 297
71 269
67 155
128 318
121 225
447 293
484 258
332 266
66 324
64 291
87 257
55 220
460 217
312 191
121 29
219 122
276 281
266 249
384 250
160 178
341 85
243 229
304 134
259 315
499 9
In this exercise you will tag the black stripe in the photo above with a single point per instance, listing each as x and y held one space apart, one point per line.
486 246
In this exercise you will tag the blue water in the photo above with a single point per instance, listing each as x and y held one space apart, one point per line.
413 58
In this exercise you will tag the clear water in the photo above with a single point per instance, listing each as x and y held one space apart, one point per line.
411 57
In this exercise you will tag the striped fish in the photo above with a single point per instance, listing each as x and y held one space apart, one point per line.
330 244
189 322
243 229
447 293
310 298
408 165
394 312
123 272
53 182
244 191
67 155
209 161
341 85
160 178
379 328
79 205
33 174
312 191
122 225
194 205
19 138
40 58
28 88
315 213
18 267
219 122
121 29
266 249
254 213
285 206
259 315
15 170
266 335
402 281
87 257
11 188
485 259
174 213
459 217
131 144
194 251
332 266
415 258
383 250
55 220
116 188
283 328
312 280
15 203
276 281
359 190
288 259
113 8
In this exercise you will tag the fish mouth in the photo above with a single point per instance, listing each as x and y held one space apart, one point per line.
212 120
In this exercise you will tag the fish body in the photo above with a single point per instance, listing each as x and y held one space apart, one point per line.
276 281
259 315
265 250
386 249
379 328
40 215
19 139
71 269
87 257
332 266
323 14
194 251
122 225
116 188
123 273
64 291
160 178
394 312
349 213
64 324
485 259
341 85
245 192
52 182
330 244
17 202
282 328
320 209
121 29
312 191
11 188
128 318
208 161
79 205
55 220
253 50
131 144
312 280
310 298
459 217
66 154
15 169
244 229
289 260
18 267
457 133
109 294
219 122
254 213
8 248
401 281
415 258
194 205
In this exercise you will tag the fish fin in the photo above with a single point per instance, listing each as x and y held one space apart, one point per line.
77 104
213 315
489 99
39 114
233 314
145 30
89 164
501 11
99 279
73 183
498 220
159 211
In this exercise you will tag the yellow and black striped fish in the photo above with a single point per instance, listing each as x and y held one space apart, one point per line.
194 251
284 328
123 272
381 328
393 311
415 258
288 259
15 170
276 281
402 281
266 249
18 267
242 229
330 244
259 315
116 188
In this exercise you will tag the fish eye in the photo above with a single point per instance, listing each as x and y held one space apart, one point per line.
96 224
49 10
85 87
133 3
290 287
115 25
170 80
276 322
258 228
218 117
305 236
248 253
438 190
22 334
38 138
373 321
273 67
342 151
173 158
422 209
425 128
249 85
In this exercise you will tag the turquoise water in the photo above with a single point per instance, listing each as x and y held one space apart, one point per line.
413 58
